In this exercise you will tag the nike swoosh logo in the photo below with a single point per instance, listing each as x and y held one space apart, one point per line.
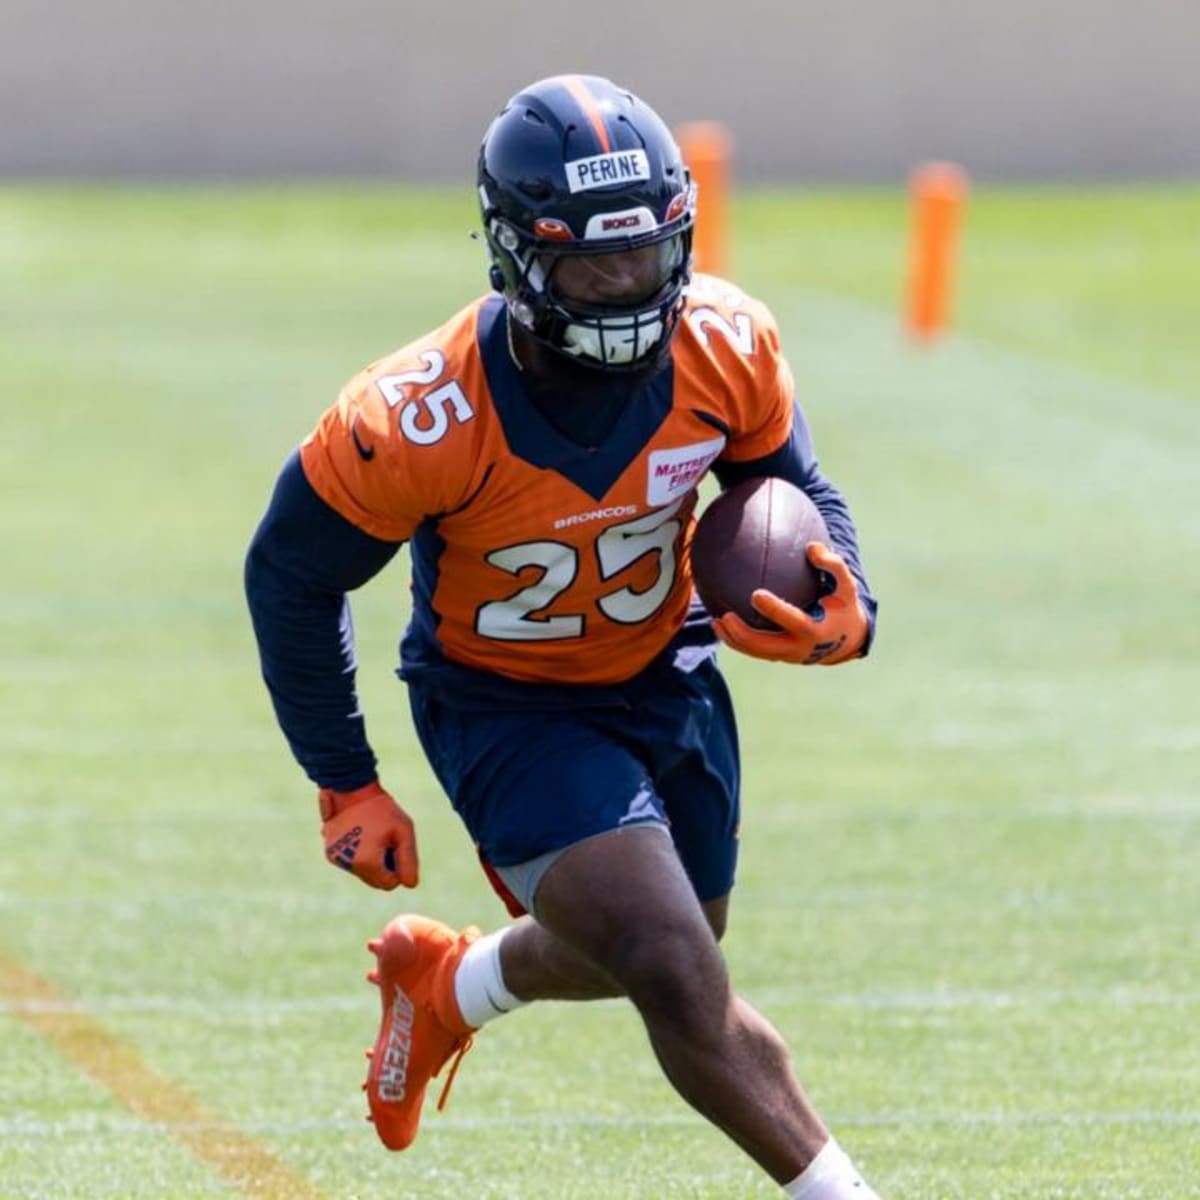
366 453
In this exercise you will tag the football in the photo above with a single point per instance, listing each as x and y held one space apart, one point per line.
754 536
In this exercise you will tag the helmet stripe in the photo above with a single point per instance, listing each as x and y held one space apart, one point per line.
591 109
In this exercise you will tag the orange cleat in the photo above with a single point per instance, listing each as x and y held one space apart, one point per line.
421 1028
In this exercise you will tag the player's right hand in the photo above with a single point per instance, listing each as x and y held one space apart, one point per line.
368 834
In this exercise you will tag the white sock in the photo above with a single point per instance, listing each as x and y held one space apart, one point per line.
830 1176
479 982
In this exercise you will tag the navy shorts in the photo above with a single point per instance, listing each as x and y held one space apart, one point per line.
532 770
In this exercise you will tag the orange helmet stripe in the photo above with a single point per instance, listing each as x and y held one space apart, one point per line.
587 102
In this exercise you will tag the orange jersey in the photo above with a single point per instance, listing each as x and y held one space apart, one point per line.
534 557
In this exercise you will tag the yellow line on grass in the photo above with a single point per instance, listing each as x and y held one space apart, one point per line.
120 1070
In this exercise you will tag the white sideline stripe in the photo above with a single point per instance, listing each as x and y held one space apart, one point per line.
363 1001
17 1127
1135 431
1112 383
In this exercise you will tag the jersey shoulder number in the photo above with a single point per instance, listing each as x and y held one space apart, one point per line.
383 455
731 358
719 314
716 309
426 401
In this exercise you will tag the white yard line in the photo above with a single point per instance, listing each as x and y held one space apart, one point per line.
914 1001
17 1128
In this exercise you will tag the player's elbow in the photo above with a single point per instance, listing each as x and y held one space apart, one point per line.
256 567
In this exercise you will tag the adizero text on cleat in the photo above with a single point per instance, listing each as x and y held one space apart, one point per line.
421 1027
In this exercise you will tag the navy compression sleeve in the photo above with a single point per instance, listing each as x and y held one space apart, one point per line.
303 559
796 462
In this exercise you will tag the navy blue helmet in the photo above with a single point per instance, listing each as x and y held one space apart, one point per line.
588 212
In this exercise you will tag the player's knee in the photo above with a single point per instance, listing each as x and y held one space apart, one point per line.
676 971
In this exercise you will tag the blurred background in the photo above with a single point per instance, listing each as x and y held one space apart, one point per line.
812 91
968 892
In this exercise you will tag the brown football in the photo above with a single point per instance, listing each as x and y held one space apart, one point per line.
754 536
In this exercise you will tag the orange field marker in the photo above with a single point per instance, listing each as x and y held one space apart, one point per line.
707 148
939 193
246 1165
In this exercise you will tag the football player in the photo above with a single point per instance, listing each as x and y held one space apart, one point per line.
540 454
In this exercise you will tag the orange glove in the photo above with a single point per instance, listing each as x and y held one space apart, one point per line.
837 632
367 833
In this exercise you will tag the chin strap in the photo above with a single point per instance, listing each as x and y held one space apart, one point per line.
512 349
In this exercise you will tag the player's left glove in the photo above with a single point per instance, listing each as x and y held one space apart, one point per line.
368 834
835 630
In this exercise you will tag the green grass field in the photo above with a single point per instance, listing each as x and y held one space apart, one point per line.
970 894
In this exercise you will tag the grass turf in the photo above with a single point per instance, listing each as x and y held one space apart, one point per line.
968 895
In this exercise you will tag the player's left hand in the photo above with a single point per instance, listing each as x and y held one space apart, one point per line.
833 631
